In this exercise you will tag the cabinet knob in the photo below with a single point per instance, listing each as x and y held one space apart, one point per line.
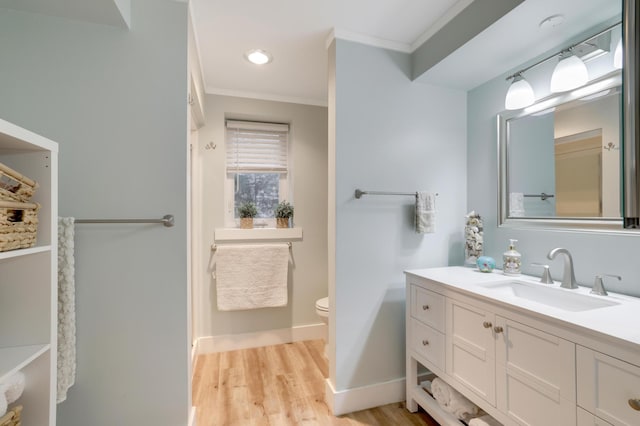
498 329
425 307
487 324
425 342
635 404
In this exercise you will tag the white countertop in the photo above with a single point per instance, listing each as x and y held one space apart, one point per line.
619 322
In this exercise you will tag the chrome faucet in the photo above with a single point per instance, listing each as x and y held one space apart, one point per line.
598 285
568 278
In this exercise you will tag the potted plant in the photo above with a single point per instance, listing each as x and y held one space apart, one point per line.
283 212
247 211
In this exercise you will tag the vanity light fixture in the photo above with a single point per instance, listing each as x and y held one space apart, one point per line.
258 56
570 73
520 93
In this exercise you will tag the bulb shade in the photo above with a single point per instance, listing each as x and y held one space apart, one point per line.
519 95
569 74
617 55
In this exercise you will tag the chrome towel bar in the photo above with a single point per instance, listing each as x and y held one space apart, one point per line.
167 220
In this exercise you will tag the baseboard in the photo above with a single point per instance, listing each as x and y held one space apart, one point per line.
232 342
365 397
192 416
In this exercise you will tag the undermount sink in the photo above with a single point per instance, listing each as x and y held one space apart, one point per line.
567 300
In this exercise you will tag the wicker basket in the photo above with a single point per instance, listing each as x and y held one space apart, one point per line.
12 418
15 186
18 225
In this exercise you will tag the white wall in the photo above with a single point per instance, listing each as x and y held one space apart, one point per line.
114 100
593 253
390 135
308 281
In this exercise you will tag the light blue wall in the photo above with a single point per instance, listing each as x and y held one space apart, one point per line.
391 135
115 101
592 252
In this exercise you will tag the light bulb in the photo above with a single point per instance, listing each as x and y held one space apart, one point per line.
258 57
520 94
569 73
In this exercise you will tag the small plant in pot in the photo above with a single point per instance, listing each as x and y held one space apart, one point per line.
283 212
247 211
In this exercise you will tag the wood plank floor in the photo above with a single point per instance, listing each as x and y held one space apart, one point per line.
278 385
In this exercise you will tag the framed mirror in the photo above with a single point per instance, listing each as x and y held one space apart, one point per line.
560 159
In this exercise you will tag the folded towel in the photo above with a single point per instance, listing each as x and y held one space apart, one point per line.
251 276
425 213
516 204
12 387
66 308
453 401
3 402
485 420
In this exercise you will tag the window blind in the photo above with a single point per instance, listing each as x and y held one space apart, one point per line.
257 147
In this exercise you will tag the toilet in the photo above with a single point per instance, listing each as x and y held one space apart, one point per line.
322 309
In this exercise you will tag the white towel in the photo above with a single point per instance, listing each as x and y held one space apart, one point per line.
13 386
516 204
251 276
485 420
425 213
453 401
66 308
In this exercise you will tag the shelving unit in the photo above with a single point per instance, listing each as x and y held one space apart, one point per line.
28 281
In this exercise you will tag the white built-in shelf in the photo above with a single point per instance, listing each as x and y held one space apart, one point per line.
16 358
257 234
23 252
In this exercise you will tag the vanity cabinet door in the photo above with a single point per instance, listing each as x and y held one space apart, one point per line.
535 374
608 387
470 348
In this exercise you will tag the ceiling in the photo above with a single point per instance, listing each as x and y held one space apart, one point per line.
296 32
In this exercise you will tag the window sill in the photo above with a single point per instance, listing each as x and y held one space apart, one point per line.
257 234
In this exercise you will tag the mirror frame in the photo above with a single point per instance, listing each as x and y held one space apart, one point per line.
608 81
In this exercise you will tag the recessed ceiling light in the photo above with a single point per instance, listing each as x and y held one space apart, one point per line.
258 56
551 21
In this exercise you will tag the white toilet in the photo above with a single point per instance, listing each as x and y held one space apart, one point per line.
322 309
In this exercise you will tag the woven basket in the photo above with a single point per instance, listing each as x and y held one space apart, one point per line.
15 186
12 418
18 225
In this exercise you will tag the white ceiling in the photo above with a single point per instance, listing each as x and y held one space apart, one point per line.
295 32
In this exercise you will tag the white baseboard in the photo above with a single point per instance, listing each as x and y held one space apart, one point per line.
232 342
192 417
365 397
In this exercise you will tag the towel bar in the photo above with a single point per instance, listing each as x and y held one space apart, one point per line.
359 193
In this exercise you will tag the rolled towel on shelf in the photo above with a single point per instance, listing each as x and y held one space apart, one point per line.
3 402
453 401
13 387
485 420
425 212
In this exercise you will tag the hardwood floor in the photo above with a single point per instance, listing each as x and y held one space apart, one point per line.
278 385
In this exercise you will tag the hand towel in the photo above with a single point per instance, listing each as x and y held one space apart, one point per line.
485 420
516 204
425 213
453 401
251 276
66 308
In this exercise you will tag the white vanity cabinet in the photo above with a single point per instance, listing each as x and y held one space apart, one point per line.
608 388
28 282
525 373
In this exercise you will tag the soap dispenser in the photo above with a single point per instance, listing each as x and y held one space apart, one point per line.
512 260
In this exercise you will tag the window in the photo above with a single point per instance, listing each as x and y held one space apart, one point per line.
257 168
